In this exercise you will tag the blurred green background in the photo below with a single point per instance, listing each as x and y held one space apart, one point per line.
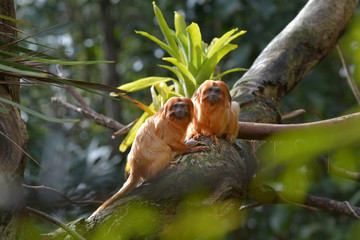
83 161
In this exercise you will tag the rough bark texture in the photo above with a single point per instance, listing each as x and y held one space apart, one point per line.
13 136
289 56
225 171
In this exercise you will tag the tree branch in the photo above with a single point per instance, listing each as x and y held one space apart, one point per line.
259 131
332 205
91 114
263 194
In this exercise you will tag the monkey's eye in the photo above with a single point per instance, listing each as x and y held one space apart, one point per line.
214 89
179 105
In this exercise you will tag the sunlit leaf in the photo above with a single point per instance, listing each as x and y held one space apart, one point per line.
218 77
155 98
37 114
235 36
195 48
180 25
149 110
189 79
159 42
143 83
166 30
208 68
217 43
131 135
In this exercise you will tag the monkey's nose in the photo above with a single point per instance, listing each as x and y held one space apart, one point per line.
213 96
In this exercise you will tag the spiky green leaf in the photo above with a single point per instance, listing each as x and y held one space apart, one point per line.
208 68
218 77
158 42
166 30
195 47
217 43
131 135
143 83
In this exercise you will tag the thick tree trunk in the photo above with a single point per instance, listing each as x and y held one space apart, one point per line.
289 56
225 170
13 138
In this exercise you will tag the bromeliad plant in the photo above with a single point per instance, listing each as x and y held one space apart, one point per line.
193 62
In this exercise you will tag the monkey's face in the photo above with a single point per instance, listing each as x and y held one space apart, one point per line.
213 94
180 108
214 91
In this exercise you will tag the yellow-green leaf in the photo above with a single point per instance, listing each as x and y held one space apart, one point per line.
166 30
217 43
208 67
180 25
131 135
143 83
189 80
218 77
195 47
158 42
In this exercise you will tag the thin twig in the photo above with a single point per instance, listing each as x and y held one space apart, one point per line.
332 205
349 77
72 90
292 114
55 221
97 117
78 98
42 187
123 130
292 202
351 209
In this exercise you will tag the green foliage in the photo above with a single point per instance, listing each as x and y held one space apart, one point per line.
193 62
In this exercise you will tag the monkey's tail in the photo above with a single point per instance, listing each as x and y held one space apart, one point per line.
128 186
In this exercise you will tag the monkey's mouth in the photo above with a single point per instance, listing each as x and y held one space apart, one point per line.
213 98
181 114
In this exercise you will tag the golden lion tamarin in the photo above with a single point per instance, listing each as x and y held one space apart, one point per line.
157 141
214 112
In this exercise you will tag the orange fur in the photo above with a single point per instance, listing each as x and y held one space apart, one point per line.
215 114
156 142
